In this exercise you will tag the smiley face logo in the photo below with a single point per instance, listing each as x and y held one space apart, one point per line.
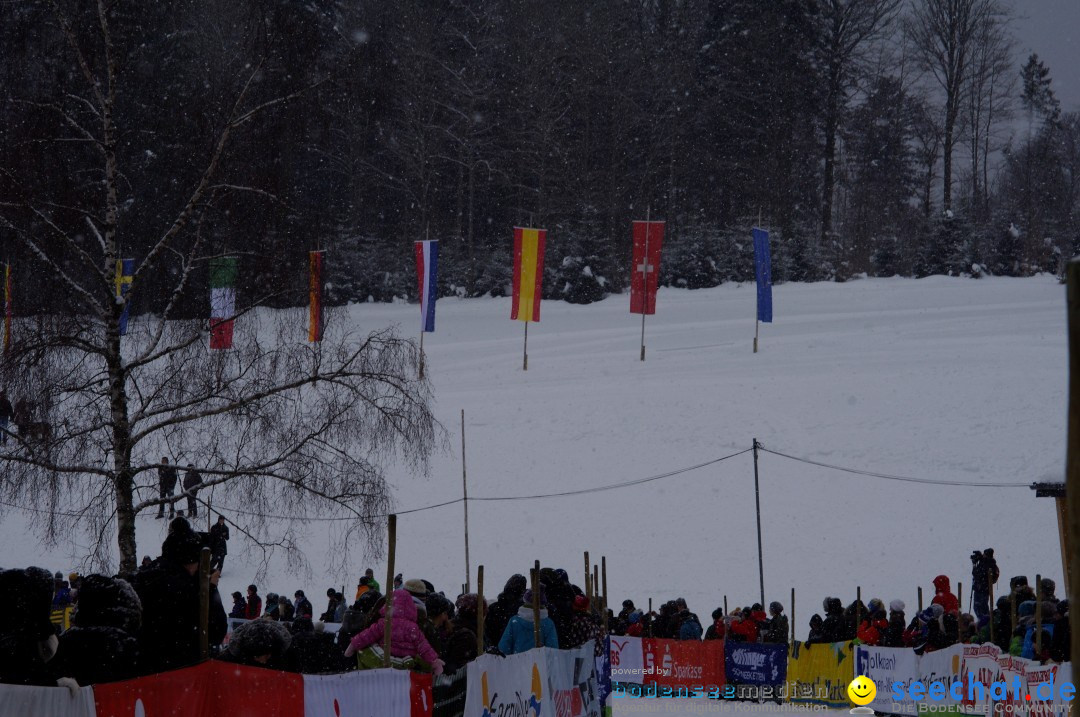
862 690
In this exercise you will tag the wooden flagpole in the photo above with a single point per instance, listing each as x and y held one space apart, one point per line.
421 351
603 584
465 501
480 605
645 279
792 615
391 534
536 603
757 322
525 351
588 578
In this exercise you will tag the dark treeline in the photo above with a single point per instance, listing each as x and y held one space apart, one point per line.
874 136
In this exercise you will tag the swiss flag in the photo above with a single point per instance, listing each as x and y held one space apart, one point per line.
645 270
209 689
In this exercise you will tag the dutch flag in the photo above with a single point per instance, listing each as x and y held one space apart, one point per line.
427 262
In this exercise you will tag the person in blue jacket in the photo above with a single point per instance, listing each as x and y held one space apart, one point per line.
518 635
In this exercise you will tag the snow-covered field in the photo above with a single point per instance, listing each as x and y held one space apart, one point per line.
944 379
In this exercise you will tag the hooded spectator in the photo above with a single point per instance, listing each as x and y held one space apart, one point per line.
259 643
776 629
518 635
103 642
1048 588
583 627
461 643
406 639
331 606
254 604
273 606
689 624
371 581
505 607
1019 588
239 606
817 630
27 637
943 596
894 633
286 611
833 628
170 600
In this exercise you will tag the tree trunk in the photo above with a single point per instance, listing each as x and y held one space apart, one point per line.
947 156
829 181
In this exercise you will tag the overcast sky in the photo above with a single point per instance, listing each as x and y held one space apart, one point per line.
1051 29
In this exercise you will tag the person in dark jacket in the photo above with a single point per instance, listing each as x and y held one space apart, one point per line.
1002 621
6 414
984 573
1061 640
834 627
286 611
331 606
27 637
166 487
192 481
169 593
311 652
239 606
301 605
505 607
259 643
219 543
461 643
894 632
718 629
103 642
817 630
253 611
273 607
776 629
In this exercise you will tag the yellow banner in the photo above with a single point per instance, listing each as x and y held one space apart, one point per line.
820 673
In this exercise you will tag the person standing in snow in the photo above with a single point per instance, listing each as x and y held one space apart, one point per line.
219 539
984 573
166 488
253 611
776 630
192 481
505 607
301 606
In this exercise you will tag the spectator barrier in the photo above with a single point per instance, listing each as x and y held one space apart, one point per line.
544 682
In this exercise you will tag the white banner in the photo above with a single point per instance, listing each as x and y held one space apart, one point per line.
544 682
627 663
46 701
382 693
887 666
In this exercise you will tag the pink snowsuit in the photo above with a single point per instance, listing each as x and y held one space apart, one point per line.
406 638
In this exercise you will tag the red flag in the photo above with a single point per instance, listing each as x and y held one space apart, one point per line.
645 271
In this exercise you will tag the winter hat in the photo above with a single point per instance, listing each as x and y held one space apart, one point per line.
516 585
237 595
436 605
937 610
1026 609
527 598
926 615
717 613
467 605
1048 586
581 603
108 602
775 607
874 605
562 576
182 548
58 576
259 637
897 606
416 587
628 603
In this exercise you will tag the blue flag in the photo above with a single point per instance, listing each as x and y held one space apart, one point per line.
763 274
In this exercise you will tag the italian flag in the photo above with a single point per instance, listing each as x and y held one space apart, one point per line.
222 301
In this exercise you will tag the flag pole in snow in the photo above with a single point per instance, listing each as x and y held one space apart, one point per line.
465 500
536 603
525 350
793 615
588 578
480 610
757 502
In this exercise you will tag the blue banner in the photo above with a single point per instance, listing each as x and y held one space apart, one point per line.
763 274
603 674
752 663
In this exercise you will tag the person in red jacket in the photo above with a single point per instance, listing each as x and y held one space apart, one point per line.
634 627
718 628
743 627
873 628
943 596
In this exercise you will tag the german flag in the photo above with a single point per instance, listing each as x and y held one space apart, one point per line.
528 273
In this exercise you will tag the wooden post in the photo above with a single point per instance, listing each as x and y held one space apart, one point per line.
525 351
858 608
959 598
1072 454
480 610
391 533
793 615
1038 617
992 608
757 325
465 494
1063 536
536 603
1012 614
204 604
596 585
651 617
588 579
757 505
603 585
920 598
421 352
725 606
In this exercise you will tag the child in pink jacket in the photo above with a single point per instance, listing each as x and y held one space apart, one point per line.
406 638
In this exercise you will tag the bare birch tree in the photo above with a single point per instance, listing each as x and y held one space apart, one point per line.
282 430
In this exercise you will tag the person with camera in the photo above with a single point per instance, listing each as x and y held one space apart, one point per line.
984 573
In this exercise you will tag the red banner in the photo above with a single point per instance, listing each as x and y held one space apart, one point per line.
206 690
645 270
684 663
